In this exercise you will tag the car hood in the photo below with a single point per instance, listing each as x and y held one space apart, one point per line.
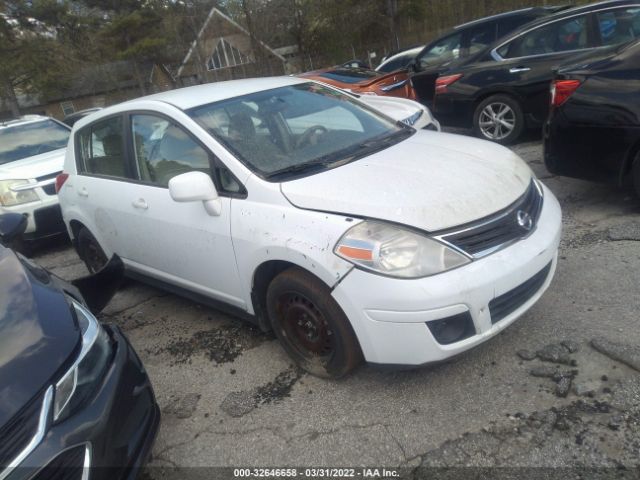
38 333
33 167
429 181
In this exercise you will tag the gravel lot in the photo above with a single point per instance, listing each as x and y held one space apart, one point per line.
231 397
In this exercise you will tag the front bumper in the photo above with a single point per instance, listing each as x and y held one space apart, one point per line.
44 217
389 315
113 434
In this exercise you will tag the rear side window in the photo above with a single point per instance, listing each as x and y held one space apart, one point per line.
101 149
619 26
561 36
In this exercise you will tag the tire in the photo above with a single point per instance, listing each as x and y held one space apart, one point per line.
90 251
635 174
485 121
324 345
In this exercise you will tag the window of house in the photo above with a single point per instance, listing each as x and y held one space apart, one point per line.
226 55
101 149
67 108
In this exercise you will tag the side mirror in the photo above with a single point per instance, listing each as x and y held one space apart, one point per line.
413 66
196 187
12 226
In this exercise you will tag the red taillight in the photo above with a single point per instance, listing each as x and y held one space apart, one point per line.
561 90
442 83
60 179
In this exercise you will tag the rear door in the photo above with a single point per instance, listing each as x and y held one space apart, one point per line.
524 65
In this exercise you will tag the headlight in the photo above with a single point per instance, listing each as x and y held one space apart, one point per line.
81 380
411 121
9 198
395 251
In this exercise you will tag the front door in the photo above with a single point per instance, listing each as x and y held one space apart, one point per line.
179 243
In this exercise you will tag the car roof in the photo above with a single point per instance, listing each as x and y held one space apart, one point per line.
502 15
189 97
567 12
22 120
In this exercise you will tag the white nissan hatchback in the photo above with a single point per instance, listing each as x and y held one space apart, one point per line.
352 236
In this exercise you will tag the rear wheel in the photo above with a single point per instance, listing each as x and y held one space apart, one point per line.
90 251
499 119
311 326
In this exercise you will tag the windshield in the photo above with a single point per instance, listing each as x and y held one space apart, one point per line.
29 139
296 130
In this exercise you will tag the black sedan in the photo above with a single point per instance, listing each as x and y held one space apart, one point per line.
75 401
464 43
593 130
506 89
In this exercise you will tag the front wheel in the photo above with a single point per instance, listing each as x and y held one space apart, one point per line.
499 119
311 326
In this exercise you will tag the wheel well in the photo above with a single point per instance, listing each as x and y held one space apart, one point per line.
486 95
262 277
75 226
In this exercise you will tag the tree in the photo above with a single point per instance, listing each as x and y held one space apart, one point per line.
33 57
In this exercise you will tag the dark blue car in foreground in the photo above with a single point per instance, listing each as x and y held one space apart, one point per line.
75 400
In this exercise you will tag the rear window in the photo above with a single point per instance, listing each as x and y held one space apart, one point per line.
29 139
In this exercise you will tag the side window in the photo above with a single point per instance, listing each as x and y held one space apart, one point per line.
556 37
163 150
478 38
443 51
101 149
619 26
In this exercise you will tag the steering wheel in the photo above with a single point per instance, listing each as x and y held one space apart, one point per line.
308 133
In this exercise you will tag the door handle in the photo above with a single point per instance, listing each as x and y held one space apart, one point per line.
83 192
519 69
140 203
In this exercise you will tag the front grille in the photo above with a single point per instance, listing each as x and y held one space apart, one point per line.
66 466
499 230
19 431
507 303
49 189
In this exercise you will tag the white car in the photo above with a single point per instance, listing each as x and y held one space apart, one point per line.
399 60
403 110
32 151
351 236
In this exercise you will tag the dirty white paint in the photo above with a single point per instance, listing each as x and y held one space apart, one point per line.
430 181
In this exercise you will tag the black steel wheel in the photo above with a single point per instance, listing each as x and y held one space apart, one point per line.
90 251
311 326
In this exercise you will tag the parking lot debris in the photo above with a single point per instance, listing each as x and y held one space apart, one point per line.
526 354
555 353
570 345
182 406
563 386
240 403
627 354
626 231
221 345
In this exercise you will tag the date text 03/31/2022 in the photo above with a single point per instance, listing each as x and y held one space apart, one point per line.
315 472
